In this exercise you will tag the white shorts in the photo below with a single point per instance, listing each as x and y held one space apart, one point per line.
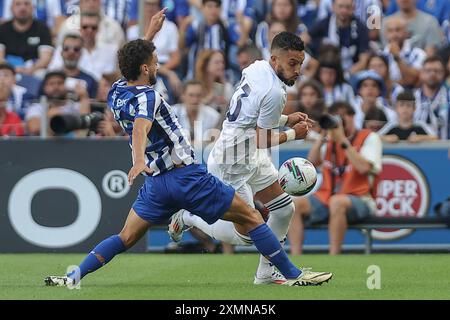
247 180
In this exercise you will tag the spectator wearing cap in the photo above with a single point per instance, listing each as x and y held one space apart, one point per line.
350 160
433 97
406 129
331 76
25 42
345 31
405 60
371 89
380 64
423 28
59 102
18 97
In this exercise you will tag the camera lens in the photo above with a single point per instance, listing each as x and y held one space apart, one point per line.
62 124
328 121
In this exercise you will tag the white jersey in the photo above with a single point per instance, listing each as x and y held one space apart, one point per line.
257 102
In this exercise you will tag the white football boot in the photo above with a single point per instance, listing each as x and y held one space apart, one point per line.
55 281
177 226
275 278
309 278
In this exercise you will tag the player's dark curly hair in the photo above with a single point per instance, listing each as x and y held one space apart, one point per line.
132 55
287 41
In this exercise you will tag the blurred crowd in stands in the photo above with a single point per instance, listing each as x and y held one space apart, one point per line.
388 58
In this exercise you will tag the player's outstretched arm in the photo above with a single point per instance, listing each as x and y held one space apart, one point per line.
141 129
155 25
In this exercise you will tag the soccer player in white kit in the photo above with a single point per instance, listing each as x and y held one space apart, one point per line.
240 155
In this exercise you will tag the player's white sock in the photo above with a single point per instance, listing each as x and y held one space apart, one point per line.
221 230
281 211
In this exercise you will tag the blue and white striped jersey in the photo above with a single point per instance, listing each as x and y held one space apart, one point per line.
412 56
434 111
167 145
119 10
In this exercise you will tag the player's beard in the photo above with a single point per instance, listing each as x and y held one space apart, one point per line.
288 82
152 79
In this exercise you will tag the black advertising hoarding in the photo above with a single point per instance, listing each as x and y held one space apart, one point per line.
63 195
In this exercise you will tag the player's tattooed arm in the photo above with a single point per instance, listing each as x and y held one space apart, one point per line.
155 24
141 129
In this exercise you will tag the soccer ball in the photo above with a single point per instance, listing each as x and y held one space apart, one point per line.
297 176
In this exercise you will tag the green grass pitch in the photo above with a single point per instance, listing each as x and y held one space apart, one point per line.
159 276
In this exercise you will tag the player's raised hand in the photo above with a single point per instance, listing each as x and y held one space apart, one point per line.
136 170
155 24
301 130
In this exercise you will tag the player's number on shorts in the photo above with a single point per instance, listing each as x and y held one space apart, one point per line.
232 116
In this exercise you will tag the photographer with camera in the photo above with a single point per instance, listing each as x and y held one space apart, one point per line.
60 101
350 161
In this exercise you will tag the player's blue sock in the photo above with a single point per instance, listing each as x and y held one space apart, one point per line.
101 255
268 245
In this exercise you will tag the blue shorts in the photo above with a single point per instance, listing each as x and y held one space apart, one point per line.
320 213
191 188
